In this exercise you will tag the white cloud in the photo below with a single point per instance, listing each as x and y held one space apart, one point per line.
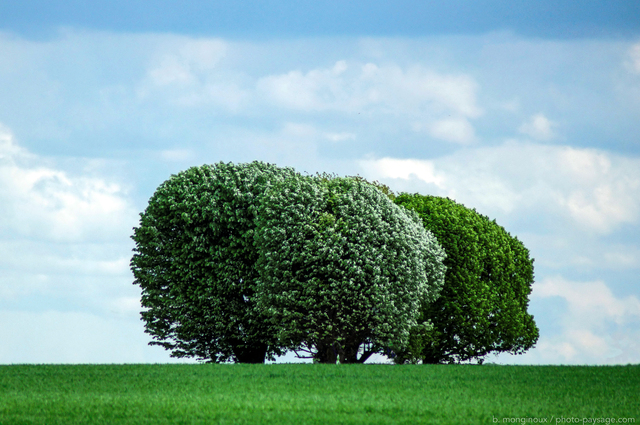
318 89
340 137
457 130
74 337
125 307
602 207
591 310
571 250
585 165
603 194
573 347
187 72
589 303
622 257
634 57
64 238
295 102
538 127
78 259
403 169
187 60
584 188
46 203
171 71
442 104
415 87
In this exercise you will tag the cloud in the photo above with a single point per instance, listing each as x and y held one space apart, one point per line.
587 189
577 210
538 127
591 312
40 201
457 130
634 58
415 87
65 293
622 257
388 87
318 89
76 258
605 187
386 168
187 72
440 104
316 105
590 303
340 137
187 60
74 337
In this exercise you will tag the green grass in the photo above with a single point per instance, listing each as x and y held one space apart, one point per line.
313 394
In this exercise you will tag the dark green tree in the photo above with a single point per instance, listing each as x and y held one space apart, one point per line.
343 269
482 308
194 260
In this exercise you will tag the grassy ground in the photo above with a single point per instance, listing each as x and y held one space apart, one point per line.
316 394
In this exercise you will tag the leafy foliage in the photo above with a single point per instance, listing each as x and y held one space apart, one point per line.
240 262
483 305
194 260
342 267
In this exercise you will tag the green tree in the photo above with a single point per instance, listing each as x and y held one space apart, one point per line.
482 308
343 269
195 263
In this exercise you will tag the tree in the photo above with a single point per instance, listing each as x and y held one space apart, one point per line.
195 263
342 269
483 305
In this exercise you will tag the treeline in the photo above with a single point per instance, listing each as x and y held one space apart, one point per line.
243 262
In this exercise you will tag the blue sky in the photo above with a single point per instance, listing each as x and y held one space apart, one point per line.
280 18
528 113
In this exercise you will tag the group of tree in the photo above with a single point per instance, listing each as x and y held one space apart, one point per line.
243 262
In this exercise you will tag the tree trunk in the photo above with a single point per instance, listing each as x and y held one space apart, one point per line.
253 354
326 353
430 358
350 354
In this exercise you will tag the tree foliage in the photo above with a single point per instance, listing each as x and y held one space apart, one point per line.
483 305
342 268
194 260
241 262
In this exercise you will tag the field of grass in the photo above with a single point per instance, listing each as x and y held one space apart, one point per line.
316 394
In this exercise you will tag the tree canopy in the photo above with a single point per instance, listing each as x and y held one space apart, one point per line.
194 260
343 270
482 308
244 262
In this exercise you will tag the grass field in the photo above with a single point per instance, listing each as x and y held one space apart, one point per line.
317 394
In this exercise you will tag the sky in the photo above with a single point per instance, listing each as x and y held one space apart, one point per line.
527 111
